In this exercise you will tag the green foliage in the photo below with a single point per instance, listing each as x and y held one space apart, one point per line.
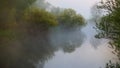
18 20
69 18
109 26
10 11
18 4
6 33
39 18
110 23
112 65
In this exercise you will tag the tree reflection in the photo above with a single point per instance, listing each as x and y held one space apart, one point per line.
26 52
33 49
66 40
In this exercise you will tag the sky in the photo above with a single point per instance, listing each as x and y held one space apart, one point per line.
81 6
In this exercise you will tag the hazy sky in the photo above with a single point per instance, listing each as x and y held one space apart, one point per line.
81 6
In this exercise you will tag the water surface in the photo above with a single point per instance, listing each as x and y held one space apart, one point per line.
58 48
89 53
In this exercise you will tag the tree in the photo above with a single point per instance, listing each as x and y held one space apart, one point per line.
32 21
10 15
18 4
69 18
109 25
39 20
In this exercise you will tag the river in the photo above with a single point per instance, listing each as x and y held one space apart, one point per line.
91 53
59 48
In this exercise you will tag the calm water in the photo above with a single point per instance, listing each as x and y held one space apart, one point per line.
60 49
92 53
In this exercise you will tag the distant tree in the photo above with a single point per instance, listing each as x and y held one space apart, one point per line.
11 11
10 14
39 19
17 21
18 4
69 18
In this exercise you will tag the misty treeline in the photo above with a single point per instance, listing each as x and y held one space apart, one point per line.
24 31
107 18
32 15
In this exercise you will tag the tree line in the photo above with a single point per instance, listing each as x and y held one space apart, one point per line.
25 14
24 31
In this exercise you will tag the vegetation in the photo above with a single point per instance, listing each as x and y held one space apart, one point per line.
24 30
40 19
112 65
109 25
110 22
69 18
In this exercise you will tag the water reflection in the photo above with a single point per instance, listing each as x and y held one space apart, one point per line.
92 53
95 42
25 53
33 50
66 40
56 48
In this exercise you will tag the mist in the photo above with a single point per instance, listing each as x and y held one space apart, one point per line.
60 37
33 32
